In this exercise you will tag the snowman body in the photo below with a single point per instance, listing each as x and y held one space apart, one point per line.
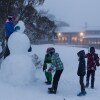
18 68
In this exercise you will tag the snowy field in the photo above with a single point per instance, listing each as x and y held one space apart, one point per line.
68 85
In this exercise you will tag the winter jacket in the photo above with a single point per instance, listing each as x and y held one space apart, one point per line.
56 62
9 28
92 60
81 67
47 60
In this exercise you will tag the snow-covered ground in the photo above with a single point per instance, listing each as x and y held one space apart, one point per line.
68 85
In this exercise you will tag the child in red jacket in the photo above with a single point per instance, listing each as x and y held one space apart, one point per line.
92 62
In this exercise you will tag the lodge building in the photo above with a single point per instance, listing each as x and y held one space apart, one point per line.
74 35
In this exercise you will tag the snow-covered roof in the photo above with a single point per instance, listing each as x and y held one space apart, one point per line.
92 36
93 28
69 29
61 24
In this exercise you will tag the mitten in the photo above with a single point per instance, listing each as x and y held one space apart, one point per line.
44 68
50 69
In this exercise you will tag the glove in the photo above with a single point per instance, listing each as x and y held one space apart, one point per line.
97 63
44 68
50 69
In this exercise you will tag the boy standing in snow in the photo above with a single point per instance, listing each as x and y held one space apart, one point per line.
9 26
9 29
46 65
92 62
81 71
57 66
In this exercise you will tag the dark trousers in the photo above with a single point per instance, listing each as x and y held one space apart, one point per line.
92 74
56 78
82 83
7 52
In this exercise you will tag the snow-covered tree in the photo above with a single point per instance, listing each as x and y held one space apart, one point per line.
21 9
37 26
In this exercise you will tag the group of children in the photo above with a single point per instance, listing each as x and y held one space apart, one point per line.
53 63
92 62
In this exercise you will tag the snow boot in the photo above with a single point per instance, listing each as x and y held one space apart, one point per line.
92 87
48 82
82 93
51 91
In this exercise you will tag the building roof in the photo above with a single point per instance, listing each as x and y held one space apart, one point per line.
93 28
92 36
69 29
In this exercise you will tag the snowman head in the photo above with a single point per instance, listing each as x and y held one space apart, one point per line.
20 27
18 43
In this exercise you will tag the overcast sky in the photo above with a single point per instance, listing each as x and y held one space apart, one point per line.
75 12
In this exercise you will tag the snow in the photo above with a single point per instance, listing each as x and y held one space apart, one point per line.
68 84
92 36
21 80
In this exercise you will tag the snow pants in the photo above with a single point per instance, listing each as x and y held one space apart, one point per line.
82 83
92 74
48 76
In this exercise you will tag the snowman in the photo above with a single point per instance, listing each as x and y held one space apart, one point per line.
17 68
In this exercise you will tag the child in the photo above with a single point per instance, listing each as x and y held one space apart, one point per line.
37 62
57 66
9 29
81 71
46 65
92 62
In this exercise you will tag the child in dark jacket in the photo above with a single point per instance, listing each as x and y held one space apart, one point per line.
81 71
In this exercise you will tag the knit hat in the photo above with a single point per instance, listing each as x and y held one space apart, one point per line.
11 17
50 50
92 49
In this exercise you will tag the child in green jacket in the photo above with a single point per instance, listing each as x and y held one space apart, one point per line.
47 65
